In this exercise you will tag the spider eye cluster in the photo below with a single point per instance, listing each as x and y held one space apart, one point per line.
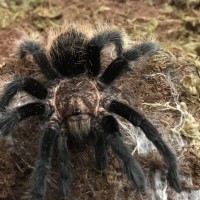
77 111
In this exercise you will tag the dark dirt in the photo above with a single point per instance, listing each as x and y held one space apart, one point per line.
140 19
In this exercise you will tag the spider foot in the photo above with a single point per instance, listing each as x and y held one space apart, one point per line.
65 187
101 163
174 181
135 174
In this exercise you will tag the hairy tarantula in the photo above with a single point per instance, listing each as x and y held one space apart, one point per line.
76 104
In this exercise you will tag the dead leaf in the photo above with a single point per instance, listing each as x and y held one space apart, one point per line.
53 13
2 64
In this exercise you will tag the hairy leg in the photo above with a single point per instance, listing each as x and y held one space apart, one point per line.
39 56
25 84
39 177
131 166
97 43
113 71
100 151
152 134
10 118
121 63
65 165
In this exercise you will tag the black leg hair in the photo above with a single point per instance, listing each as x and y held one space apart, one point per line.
65 166
26 84
115 68
39 56
10 118
43 162
121 64
97 43
68 54
131 166
100 151
140 50
152 134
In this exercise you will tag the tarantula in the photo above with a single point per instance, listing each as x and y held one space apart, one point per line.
76 104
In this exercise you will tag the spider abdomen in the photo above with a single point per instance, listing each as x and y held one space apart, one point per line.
68 53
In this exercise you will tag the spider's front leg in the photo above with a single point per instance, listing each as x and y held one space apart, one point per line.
152 134
51 132
42 165
65 165
111 136
100 149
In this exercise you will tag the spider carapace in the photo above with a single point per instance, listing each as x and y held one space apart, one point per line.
75 102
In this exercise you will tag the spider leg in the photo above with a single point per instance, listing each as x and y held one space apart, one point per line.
115 68
65 168
97 43
43 162
121 63
26 84
152 134
131 166
100 151
9 119
39 56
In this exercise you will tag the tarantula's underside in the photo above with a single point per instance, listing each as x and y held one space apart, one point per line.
77 103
